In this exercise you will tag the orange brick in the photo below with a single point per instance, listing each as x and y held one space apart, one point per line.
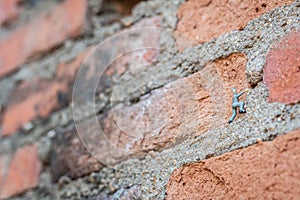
9 10
38 98
282 70
38 104
47 31
268 170
179 110
23 172
203 20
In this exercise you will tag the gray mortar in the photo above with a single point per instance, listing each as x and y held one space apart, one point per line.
6 87
271 26
45 68
41 128
167 9
28 13
254 41
153 172
262 121
47 65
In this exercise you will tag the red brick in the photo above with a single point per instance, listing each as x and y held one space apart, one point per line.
184 108
203 20
38 98
69 152
70 157
9 10
282 70
231 72
47 31
23 172
124 51
268 170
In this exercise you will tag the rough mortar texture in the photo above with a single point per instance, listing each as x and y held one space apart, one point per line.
147 176
267 170
182 109
154 171
203 20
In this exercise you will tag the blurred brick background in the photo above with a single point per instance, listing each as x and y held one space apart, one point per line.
252 45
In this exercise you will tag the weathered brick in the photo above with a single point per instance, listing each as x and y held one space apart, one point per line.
9 10
37 98
268 170
70 157
203 20
73 159
46 32
23 172
231 72
185 108
117 55
282 70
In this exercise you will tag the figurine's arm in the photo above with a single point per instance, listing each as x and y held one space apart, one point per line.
240 94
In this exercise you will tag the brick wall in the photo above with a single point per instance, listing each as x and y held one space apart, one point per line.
131 99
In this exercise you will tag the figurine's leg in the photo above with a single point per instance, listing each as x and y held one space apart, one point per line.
241 105
233 115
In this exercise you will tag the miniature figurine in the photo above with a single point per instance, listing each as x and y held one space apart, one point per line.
236 104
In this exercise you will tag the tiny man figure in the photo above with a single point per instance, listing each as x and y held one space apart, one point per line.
236 104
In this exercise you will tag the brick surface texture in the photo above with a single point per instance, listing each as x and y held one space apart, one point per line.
188 105
70 157
73 159
9 10
43 33
269 170
155 95
37 98
23 172
282 70
203 20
